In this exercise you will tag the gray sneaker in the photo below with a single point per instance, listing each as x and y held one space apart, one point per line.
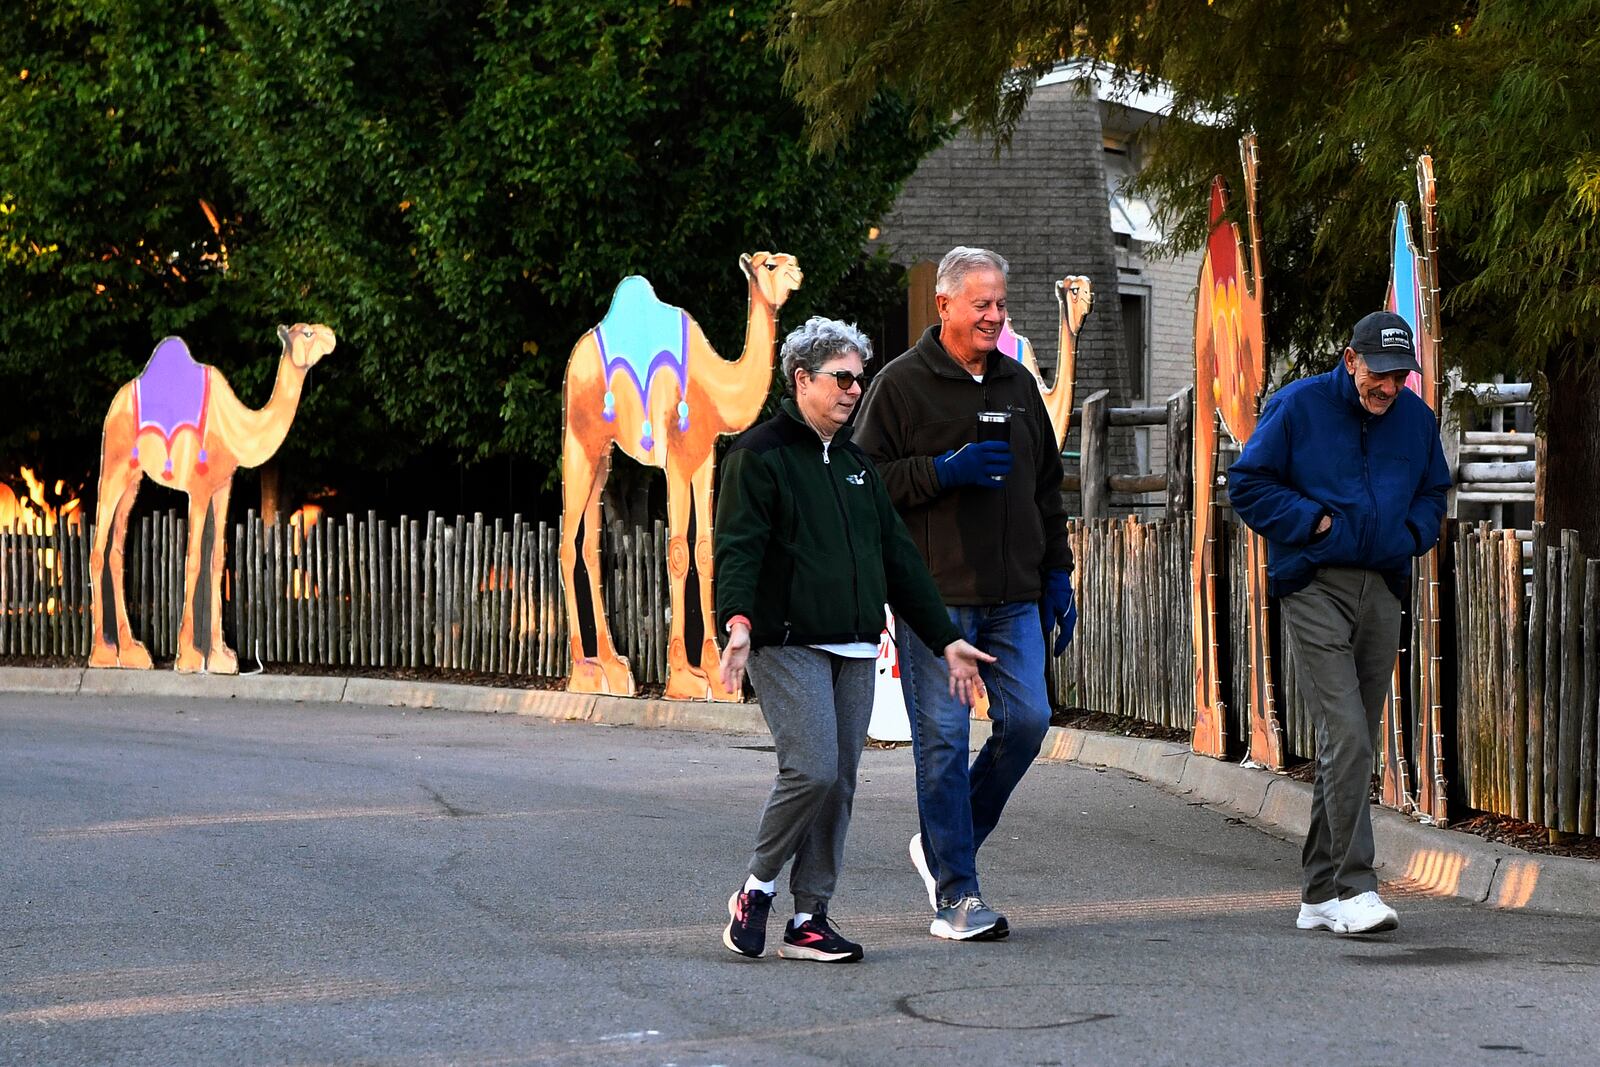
969 919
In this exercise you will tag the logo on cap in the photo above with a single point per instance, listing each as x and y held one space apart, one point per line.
1394 337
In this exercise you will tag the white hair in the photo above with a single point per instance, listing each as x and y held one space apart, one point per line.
808 347
961 261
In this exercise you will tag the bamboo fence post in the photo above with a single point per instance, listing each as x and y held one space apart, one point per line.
519 624
1554 590
333 583
458 555
397 593
328 535
1572 574
1491 724
361 604
496 603
238 589
429 623
1535 667
378 569
10 595
1586 704
8 598
27 614
1516 675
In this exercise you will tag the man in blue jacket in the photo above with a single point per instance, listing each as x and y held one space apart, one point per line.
1345 478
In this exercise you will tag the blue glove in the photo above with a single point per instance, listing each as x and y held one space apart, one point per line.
982 463
1058 607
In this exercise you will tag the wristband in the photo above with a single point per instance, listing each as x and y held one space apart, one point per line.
738 618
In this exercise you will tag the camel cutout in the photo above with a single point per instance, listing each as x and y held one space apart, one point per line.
1413 294
647 380
180 423
1074 301
1230 377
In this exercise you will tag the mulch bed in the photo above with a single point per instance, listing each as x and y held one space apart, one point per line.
1107 723
1530 837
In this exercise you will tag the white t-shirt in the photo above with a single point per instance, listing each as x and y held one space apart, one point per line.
851 649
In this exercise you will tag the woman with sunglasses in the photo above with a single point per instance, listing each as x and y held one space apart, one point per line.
808 549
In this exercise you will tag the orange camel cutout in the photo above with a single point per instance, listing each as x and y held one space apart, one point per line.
1074 301
647 380
1230 377
181 423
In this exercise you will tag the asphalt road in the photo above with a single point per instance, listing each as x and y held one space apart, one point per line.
191 882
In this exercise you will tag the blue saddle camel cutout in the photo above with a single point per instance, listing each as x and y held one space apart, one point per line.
639 335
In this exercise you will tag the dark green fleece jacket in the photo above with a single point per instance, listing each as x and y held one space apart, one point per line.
808 546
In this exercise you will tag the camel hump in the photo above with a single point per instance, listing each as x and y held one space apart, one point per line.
638 319
171 359
170 395
639 336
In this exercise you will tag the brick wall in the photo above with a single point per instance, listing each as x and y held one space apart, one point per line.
1041 203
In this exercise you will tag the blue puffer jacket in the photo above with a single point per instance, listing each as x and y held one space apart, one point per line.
1316 451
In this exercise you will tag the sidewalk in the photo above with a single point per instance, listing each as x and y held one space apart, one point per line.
1445 861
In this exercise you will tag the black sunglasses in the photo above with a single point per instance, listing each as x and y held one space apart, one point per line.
845 378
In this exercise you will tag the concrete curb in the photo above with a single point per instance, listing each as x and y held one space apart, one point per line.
1445 861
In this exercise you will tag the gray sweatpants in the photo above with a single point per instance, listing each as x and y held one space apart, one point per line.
1345 629
817 706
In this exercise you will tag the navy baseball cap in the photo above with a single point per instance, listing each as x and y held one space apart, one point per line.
1383 339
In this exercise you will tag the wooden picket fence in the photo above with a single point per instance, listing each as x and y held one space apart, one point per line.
1133 652
1528 649
457 594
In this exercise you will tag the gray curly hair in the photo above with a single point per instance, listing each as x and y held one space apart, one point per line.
810 346
961 261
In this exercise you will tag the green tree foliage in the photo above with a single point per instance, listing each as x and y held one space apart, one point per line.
1343 97
454 187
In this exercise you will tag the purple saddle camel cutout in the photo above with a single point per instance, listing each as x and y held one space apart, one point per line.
171 394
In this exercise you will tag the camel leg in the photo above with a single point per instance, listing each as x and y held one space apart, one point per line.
131 653
684 682
1266 732
710 656
114 485
1210 722
220 659
579 478
618 673
583 479
189 658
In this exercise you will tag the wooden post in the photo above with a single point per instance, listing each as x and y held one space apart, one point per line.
1180 452
1573 575
1092 465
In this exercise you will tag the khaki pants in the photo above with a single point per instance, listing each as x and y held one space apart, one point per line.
1345 629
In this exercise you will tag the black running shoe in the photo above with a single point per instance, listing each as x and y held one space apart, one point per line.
747 926
816 939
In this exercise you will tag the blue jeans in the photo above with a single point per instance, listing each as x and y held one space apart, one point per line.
958 806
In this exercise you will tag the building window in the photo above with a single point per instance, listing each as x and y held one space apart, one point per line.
1135 341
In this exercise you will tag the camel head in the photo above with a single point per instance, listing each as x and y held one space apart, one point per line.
775 274
1076 297
305 344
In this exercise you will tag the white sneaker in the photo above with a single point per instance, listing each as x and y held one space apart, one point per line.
1324 916
919 860
1367 914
